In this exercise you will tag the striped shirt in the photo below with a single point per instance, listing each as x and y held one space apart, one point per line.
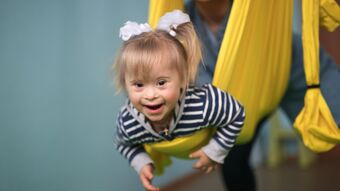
200 107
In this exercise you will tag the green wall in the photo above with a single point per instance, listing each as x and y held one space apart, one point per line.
57 99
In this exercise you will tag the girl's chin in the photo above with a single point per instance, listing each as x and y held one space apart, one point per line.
158 120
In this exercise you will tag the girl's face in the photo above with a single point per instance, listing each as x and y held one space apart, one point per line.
157 95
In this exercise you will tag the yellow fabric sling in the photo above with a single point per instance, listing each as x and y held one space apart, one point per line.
253 65
254 58
315 122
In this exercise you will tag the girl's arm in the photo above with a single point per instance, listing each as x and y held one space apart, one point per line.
228 115
135 153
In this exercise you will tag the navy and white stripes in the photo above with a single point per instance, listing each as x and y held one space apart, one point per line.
201 107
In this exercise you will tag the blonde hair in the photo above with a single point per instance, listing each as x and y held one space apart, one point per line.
141 52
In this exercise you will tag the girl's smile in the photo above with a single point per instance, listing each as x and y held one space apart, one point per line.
157 94
154 109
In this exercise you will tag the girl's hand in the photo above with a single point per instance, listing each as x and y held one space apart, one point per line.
204 163
146 176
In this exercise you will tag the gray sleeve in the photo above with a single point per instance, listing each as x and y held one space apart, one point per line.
215 152
140 160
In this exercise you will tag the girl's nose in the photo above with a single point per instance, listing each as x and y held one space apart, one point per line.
150 93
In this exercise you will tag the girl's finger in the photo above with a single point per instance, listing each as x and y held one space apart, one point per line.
209 169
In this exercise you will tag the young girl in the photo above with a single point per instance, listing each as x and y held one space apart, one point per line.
157 70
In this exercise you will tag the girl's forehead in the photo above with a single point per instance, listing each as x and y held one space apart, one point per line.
140 63
151 69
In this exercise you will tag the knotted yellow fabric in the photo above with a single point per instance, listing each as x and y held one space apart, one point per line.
315 122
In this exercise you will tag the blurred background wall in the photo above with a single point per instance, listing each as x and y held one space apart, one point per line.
57 100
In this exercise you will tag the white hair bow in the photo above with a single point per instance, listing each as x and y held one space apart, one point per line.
171 20
131 29
167 22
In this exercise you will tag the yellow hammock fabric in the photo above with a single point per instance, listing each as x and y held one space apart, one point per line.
253 63
315 122
254 59
180 147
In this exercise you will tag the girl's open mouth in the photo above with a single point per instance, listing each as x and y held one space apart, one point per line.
154 107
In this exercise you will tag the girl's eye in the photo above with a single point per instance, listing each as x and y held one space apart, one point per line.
138 84
161 82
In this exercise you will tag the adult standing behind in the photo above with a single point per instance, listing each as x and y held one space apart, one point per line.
210 18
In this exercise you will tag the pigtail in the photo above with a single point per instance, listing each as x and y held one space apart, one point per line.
186 35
